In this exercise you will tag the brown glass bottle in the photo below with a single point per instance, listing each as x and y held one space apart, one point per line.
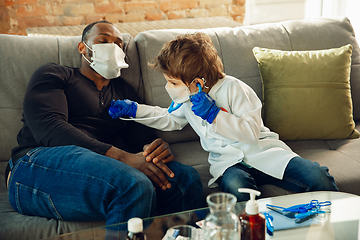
252 223
252 226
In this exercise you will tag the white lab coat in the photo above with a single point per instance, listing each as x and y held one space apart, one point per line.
238 135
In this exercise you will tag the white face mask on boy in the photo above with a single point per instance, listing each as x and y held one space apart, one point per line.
178 94
107 59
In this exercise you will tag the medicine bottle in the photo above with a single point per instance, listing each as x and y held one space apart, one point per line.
135 229
252 223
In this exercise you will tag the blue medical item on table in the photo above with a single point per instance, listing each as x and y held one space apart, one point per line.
303 208
296 216
301 217
269 223
281 211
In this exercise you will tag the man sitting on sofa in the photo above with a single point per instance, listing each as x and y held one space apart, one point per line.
75 163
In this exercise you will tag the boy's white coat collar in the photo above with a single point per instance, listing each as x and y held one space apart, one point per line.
216 87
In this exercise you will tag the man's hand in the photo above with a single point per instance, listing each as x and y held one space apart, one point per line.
155 172
158 151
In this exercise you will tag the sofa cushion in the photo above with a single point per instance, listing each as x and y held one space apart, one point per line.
306 94
341 156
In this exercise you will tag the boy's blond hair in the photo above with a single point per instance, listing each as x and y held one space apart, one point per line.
188 57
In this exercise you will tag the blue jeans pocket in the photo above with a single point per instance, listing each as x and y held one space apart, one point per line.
40 202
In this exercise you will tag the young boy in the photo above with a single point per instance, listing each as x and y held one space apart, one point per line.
226 114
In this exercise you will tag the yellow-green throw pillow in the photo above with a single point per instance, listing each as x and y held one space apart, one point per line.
307 93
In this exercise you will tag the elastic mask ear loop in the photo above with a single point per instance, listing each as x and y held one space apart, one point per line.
84 55
88 46
86 58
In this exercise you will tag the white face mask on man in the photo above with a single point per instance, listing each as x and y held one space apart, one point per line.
107 59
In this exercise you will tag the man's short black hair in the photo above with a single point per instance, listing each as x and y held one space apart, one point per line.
87 29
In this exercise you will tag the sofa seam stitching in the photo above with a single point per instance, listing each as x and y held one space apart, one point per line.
218 40
58 49
288 34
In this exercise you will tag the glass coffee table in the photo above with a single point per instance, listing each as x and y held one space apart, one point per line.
341 223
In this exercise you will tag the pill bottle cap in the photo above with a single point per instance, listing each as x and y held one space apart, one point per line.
135 225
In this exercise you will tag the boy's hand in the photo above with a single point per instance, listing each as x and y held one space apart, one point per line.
122 108
204 106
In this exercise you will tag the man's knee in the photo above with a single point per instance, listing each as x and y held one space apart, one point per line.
184 172
187 180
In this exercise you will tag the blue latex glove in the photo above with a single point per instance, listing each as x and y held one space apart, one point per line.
204 106
122 108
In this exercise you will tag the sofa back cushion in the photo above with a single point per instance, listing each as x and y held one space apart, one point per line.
235 46
20 56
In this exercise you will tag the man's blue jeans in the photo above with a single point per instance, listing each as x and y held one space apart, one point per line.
301 175
75 184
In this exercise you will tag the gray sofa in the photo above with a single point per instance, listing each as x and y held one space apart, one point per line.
21 55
